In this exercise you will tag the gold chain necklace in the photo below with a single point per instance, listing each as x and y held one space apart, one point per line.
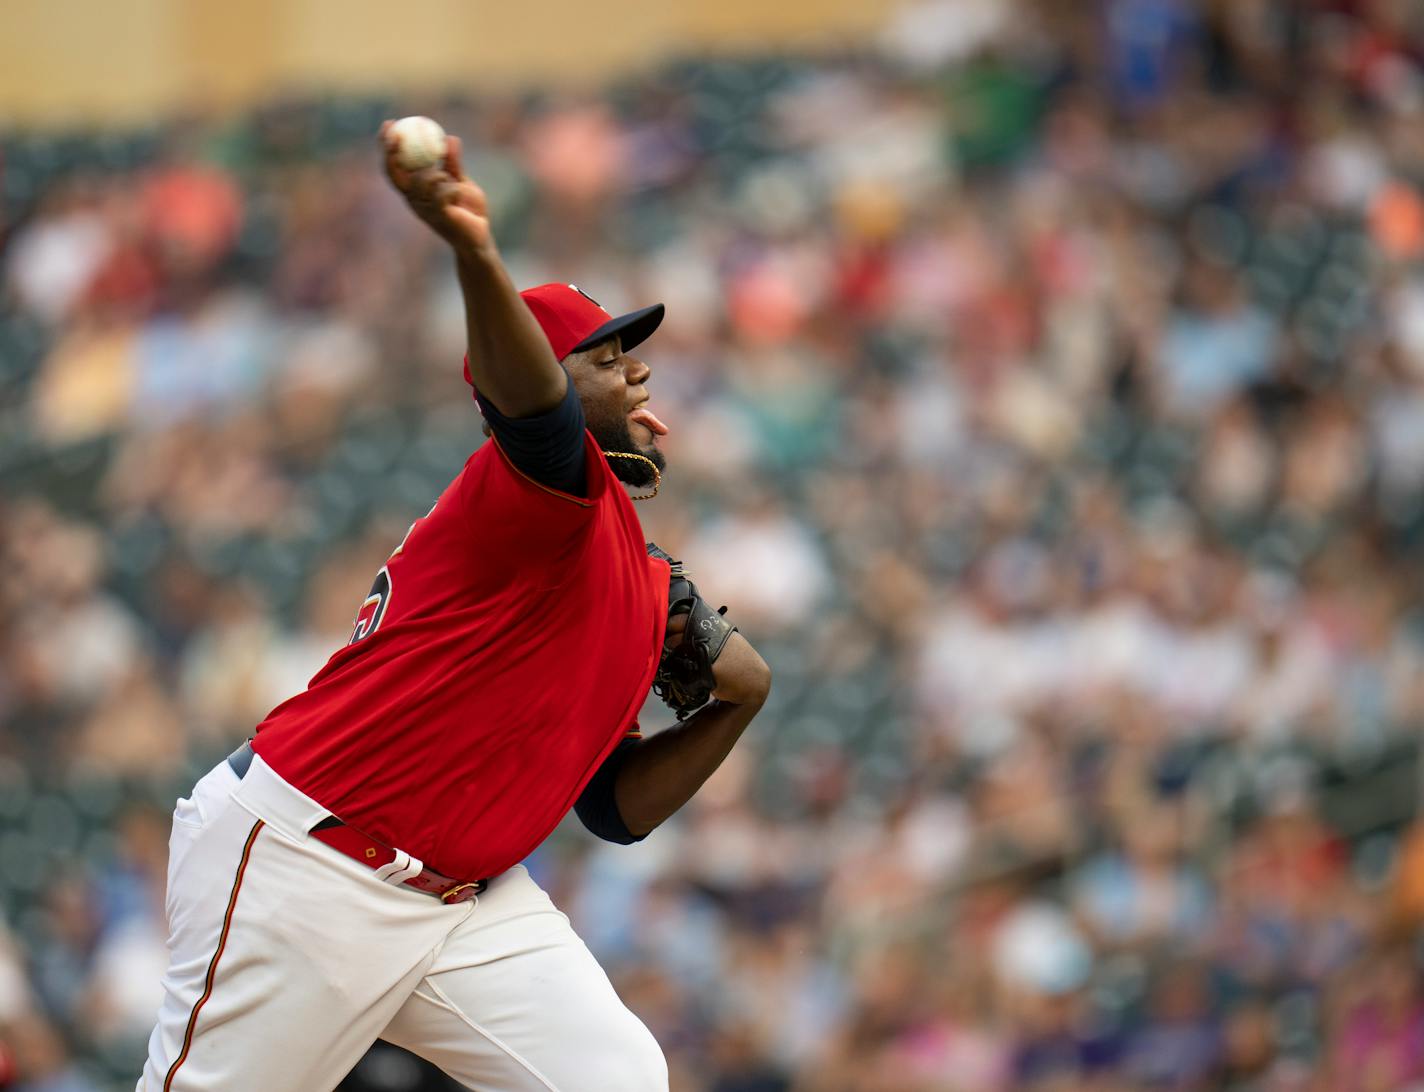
657 478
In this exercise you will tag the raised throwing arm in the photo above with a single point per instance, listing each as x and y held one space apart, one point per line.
510 359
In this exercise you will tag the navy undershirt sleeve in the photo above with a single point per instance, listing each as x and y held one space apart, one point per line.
596 807
550 447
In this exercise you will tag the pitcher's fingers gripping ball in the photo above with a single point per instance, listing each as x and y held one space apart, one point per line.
424 165
422 143
685 680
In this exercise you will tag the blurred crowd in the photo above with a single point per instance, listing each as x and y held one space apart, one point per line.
1046 385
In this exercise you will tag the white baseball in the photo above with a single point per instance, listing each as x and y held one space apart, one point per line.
422 143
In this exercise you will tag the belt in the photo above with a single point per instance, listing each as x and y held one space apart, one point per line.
367 850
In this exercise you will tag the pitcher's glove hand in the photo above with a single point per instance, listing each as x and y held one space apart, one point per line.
685 680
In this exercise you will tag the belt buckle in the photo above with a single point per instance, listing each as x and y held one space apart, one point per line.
462 892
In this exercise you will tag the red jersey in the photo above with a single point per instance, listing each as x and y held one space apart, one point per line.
504 651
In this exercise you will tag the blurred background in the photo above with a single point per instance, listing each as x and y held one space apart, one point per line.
1047 392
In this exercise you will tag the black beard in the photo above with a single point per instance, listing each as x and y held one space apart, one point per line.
634 472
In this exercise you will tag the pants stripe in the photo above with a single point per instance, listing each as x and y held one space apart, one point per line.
217 955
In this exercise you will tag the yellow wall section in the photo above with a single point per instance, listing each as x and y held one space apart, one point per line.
67 61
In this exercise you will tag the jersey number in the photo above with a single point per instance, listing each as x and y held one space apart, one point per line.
368 618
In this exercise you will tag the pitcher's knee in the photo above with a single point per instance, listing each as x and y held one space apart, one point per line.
629 1060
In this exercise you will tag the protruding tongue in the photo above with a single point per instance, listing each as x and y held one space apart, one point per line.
645 417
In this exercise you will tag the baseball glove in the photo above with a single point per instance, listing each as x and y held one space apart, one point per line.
685 680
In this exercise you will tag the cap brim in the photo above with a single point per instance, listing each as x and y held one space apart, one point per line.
634 328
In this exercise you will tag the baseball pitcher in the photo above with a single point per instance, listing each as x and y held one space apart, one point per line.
352 872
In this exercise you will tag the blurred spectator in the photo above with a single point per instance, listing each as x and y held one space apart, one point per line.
1380 1043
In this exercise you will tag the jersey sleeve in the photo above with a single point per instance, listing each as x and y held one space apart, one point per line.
548 447
597 805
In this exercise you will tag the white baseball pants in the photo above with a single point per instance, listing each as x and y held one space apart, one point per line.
288 959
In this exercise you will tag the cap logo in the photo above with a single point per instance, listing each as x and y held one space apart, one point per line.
590 299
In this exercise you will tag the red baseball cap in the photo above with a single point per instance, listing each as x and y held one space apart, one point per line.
573 320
